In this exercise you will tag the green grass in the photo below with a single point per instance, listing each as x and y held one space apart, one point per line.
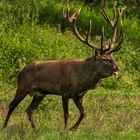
110 115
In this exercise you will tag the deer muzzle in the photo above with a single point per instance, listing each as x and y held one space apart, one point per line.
115 70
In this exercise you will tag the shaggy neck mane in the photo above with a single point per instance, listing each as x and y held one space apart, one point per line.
90 76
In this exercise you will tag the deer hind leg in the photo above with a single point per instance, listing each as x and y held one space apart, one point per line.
78 103
20 95
33 105
65 108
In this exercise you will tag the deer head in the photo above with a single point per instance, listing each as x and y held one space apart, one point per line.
103 53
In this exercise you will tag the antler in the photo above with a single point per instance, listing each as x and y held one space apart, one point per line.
72 19
103 49
114 25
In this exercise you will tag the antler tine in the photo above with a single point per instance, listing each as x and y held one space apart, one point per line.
118 46
89 31
102 40
119 41
114 23
120 35
116 18
119 16
114 32
85 41
75 15
114 11
103 50
103 12
72 20
66 14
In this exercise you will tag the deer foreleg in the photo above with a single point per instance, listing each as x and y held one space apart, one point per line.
65 108
78 103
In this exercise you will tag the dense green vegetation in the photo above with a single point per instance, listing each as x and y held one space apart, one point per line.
35 30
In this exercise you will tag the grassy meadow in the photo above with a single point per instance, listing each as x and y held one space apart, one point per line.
110 115
36 30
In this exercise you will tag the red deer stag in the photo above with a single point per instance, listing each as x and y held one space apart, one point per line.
69 78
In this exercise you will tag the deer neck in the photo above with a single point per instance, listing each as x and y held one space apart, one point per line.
91 75
92 68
